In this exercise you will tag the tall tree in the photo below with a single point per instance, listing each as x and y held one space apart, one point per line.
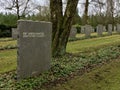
61 24
85 16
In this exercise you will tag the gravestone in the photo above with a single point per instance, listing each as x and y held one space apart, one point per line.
115 28
14 33
100 30
73 32
82 29
109 29
118 28
92 30
87 31
104 29
34 48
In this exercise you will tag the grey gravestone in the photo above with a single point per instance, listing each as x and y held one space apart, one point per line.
82 29
93 30
115 28
14 33
34 48
73 32
118 28
110 29
87 31
104 29
100 30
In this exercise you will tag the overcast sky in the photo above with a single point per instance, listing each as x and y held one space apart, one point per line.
44 2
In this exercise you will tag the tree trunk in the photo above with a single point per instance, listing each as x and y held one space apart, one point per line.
18 11
61 24
85 16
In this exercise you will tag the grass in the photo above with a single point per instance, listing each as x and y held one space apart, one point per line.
8 57
60 67
106 77
7 60
93 34
88 45
6 39
8 44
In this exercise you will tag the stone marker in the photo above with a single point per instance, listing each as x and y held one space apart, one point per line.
92 31
100 30
34 48
104 29
14 33
87 31
118 28
109 29
73 32
82 29
115 28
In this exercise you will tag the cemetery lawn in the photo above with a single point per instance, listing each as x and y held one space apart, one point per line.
106 77
89 45
8 57
7 44
7 60
94 34
99 51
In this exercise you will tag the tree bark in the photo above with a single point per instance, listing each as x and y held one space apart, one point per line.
85 16
61 24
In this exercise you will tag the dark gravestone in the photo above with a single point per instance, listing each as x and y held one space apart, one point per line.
73 32
109 29
34 48
14 33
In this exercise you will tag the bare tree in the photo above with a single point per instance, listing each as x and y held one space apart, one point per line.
20 7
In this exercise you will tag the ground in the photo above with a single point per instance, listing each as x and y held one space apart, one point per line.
80 53
106 77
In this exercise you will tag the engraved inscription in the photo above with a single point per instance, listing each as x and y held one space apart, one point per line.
33 34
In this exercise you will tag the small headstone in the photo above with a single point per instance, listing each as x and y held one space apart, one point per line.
118 28
34 48
100 30
92 30
110 29
87 31
104 29
82 29
73 32
14 33
115 28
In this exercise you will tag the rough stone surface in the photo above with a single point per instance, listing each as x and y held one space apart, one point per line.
34 48
88 30
110 29
14 33
82 29
73 32
118 28
115 28
100 30
104 29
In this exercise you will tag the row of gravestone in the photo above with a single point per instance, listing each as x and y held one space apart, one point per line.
88 29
